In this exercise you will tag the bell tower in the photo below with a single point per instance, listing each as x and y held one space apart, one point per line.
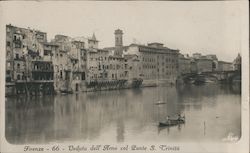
118 38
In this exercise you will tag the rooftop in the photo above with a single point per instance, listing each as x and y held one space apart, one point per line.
153 47
224 62
50 43
93 38
118 31
9 25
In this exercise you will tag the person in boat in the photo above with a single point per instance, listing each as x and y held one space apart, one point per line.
167 120
179 116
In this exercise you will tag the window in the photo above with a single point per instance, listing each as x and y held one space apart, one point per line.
8 72
67 76
18 44
83 75
17 56
47 52
18 66
61 75
18 77
8 43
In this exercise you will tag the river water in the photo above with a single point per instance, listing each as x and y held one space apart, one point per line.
212 112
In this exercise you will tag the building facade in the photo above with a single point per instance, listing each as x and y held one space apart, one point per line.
97 65
225 66
21 44
132 67
157 63
184 64
70 62
117 68
26 66
204 65
76 64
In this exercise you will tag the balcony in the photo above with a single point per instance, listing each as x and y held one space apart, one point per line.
42 66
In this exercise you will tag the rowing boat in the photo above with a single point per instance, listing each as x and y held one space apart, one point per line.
159 103
172 122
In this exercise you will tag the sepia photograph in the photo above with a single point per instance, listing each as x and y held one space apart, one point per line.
130 76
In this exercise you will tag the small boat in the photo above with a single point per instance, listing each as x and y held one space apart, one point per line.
159 103
66 92
172 122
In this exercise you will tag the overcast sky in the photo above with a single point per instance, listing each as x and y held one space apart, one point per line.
205 27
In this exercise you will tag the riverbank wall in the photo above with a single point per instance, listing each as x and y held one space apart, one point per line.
83 86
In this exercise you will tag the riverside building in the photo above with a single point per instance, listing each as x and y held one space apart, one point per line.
67 64
157 63
28 71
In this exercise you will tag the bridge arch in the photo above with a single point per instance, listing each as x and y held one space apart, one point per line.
215 76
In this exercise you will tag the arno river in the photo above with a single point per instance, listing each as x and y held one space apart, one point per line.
212 112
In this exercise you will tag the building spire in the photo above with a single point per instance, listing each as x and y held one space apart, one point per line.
93 36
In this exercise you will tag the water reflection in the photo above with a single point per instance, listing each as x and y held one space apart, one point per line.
125 115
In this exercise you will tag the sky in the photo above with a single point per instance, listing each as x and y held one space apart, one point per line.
206 27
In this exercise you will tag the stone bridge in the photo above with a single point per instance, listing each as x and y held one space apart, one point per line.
216 76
